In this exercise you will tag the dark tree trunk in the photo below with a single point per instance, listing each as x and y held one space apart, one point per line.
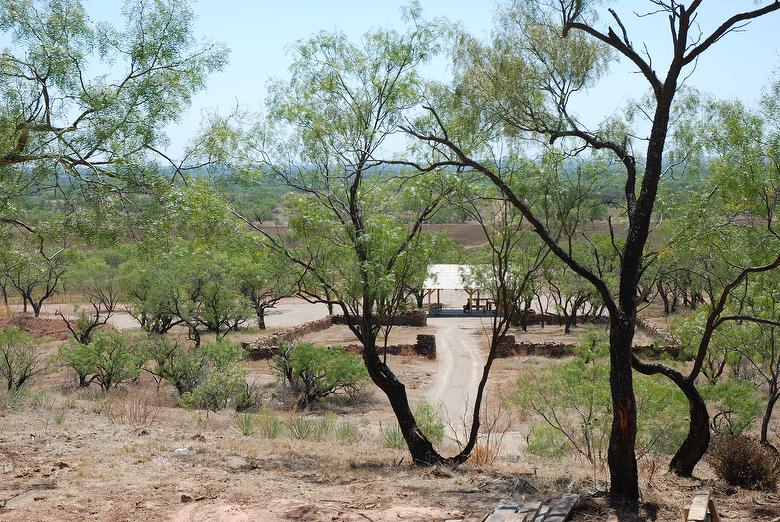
420 448
621 455
698 439
770 406
260 318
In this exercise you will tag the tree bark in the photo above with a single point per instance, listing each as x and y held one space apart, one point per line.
621 456
260 318
420 448
770 406
698 439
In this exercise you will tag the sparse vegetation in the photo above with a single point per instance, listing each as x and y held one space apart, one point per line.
18 360
109 359
315 372
742 461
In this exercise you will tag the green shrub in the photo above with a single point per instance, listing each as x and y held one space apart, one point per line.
545 441
392 437
573 405
324 426
270 426
18 360
314 372
300 427
429 421
174 364
221 375
245 423
109 359
347 433
249 398
733 405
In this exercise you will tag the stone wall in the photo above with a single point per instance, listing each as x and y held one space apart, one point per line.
264 348
410 318
647 328
509 347
533 317
424 347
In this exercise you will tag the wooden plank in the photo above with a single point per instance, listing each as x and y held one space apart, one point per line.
713 511
530 509
517 517
698 509
542 514
560 511
502 512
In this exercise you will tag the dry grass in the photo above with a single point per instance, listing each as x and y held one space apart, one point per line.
139 407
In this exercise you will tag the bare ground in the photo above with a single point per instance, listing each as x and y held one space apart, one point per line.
66 456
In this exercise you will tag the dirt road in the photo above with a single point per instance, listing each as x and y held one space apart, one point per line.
459 367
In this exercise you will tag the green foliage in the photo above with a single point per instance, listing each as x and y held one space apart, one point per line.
347 433
391 436
173 363
224 376
109 359
315 372
18 358
245 423
324 426
300 427
429 421
733 405
269 426
573 404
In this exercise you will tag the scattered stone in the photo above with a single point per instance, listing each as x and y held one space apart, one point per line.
182 451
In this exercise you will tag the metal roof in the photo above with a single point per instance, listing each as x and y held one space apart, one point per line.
447 277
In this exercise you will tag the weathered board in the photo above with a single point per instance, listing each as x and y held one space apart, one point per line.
561 510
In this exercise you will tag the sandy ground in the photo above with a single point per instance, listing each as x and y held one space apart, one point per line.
67 455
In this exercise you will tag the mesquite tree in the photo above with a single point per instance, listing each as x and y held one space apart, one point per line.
353 247
525 83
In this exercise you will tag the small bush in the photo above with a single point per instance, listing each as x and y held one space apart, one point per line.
347 433
429 421
742 461
245 423
392 436
139 408
184 370
109 359
224 377
13 400
269 426
301 428
323 427
18 360
250 398
314 372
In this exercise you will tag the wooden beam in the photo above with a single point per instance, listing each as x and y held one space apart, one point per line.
698 510
561 510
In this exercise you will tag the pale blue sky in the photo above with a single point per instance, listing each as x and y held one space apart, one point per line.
258 34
